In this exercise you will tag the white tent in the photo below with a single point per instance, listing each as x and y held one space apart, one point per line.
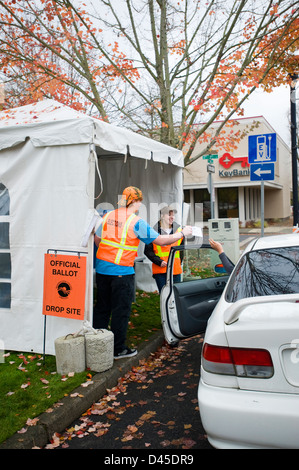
56 165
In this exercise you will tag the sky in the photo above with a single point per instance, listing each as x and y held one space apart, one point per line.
275 107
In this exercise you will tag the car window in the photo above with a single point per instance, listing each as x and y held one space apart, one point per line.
198 264
265 272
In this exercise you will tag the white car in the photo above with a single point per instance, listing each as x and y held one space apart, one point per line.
249 387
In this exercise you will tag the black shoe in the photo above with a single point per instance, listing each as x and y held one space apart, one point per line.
127 352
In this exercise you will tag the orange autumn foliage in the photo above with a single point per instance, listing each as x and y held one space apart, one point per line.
50 50
202 64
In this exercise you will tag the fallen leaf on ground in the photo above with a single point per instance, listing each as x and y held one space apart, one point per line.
25 385
32 422
22 431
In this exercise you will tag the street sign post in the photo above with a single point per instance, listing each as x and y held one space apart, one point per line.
210 170
261 157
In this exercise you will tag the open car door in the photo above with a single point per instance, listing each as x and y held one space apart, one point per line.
187 305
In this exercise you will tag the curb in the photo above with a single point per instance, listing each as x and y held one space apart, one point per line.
72 408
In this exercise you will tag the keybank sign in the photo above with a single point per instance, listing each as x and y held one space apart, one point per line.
232 173
227 160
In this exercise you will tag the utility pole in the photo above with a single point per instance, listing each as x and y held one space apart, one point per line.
294 78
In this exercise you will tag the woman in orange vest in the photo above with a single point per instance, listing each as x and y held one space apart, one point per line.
121 232
159 255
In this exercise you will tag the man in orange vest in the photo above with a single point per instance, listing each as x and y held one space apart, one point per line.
121 232
159 255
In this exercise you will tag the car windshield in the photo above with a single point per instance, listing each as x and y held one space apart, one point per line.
265 272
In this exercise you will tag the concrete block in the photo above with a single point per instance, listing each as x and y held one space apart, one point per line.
70 354
99 350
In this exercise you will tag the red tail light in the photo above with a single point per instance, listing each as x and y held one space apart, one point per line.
243 362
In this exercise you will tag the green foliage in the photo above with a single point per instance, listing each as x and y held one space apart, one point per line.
258 224
145 317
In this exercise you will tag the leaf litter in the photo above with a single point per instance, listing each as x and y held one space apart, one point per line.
103 415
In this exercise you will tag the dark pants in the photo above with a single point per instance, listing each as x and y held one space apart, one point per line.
115 295
161 279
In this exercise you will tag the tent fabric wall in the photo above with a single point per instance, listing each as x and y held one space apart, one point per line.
48 207
160 184
48 167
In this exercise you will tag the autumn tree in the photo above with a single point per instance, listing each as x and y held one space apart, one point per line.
47 49
167 68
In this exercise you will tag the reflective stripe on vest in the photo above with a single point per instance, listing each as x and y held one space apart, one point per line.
163 253
121 247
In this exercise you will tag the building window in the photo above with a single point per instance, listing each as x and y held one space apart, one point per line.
228 205
202 196
5 261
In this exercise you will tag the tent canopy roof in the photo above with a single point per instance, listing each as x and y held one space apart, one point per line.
49 123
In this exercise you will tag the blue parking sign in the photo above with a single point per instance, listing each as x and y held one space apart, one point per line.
262 148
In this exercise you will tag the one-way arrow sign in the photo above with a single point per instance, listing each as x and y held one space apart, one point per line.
262 172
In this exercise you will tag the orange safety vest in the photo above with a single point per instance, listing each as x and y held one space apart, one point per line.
119 243
163 253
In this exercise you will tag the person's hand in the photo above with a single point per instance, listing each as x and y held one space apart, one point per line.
163 264
97 240
187 230
216 246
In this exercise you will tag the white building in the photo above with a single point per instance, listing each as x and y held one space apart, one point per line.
234 194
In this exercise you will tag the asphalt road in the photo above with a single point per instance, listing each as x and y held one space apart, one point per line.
154 406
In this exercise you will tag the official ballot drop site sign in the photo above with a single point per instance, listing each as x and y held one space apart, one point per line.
64 286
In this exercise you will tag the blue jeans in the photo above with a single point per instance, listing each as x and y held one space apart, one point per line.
161 279
115 295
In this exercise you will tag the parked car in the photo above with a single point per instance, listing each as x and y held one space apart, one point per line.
249 387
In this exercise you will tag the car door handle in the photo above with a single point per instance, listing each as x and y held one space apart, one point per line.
220 283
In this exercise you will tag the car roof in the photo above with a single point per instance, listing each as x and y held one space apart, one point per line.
273 241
